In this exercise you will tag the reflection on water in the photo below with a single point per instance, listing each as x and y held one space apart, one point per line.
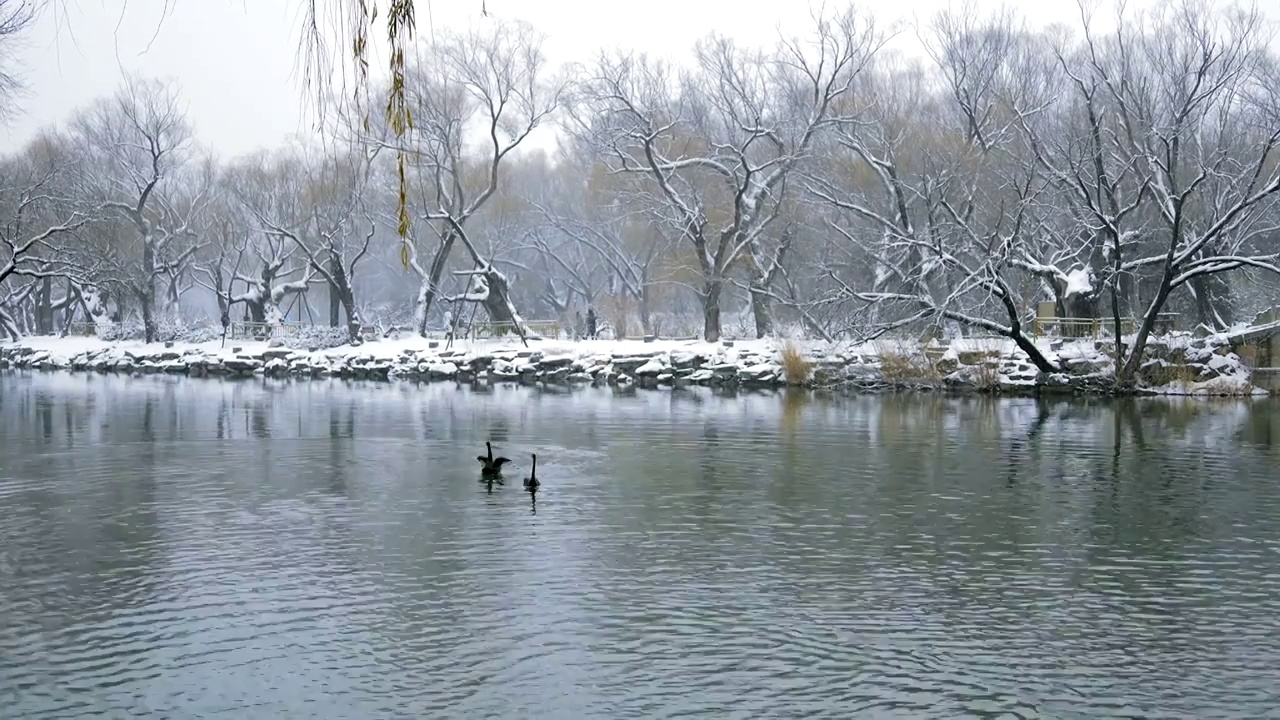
272 549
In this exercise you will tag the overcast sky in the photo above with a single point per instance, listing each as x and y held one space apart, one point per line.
236 60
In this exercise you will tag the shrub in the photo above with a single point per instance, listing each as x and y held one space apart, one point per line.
794 365
318 336
987 375
906 366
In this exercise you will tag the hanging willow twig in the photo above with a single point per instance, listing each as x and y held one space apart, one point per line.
400 29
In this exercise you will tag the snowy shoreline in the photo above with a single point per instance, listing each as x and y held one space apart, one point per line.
1176 365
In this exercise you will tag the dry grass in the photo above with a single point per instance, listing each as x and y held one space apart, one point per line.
987 375
903 365
795 366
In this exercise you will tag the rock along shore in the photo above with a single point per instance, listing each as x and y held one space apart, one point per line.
1176 365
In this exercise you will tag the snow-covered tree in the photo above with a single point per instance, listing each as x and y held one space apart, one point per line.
40 218
475 97
718 143
136 145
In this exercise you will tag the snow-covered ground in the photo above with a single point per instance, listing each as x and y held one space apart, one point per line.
62 350
1178 364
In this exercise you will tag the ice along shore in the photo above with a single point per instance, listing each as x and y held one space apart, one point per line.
1177 364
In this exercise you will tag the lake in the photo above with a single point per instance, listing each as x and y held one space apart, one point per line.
230 549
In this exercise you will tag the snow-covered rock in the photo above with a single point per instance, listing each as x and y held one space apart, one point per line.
759 373
654 367
687 360
701 376
440 371
555 362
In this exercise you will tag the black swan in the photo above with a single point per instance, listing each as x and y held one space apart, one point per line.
531 483
491 465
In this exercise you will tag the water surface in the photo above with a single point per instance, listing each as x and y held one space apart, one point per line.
203 548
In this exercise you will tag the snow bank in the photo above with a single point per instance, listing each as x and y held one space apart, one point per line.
1176 365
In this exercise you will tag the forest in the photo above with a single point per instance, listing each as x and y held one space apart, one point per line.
1124 169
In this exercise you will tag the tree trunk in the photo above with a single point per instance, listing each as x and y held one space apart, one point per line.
71 303
257 309
146 298
762 309
433 277
219 293
1027 346
353 315
1125 375
173 299
342 295
147 292
44 307
498 304
1204 307
711 309
8 326
68 317
1117 275
1213 301
420 307
645 322
224 304
347 299
335 292
1024 343
114 298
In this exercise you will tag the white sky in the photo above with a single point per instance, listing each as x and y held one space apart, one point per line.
236 60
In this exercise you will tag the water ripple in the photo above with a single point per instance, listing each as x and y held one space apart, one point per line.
251 549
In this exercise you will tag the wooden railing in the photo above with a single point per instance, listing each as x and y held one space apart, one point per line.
263 331
545 328
1095 327
87 329
1078 327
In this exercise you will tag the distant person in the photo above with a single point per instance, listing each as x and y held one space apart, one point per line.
591 323
579 327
